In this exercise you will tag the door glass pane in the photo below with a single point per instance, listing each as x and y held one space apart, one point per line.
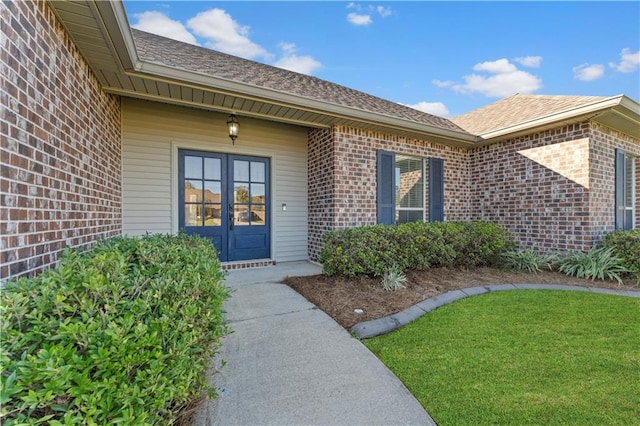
212 169
241 214
257 193
212 215
258 215
192 215
257 172
212 192
192 191
192 167
240 193
241 170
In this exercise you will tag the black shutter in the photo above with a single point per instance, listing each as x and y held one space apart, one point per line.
436 189
386 188
620 198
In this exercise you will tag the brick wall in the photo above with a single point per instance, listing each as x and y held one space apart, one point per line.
342 178
604 142
60 151
321 147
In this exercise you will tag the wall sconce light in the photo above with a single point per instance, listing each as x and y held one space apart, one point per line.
234 126
284 207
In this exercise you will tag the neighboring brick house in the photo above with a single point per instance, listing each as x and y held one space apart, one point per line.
108 130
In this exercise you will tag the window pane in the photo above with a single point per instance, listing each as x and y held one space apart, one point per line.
192 191
192 167
192 214
212 192
241 214
212 168
257 172
409 182
629 180
258 215
212 215
241 170
257 193
405 216
240 193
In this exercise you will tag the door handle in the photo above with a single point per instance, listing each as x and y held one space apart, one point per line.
231 217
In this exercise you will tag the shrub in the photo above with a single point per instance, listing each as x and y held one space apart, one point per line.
529 260
371 250
598 263
122 333
626 245
393 279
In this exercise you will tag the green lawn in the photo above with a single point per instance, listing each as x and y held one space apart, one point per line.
522 358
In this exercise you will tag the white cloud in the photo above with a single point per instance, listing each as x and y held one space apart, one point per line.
160 24
292 62
383 11
501 79
358 19
586 72
440 83
224 34
529 61
435 108
629 61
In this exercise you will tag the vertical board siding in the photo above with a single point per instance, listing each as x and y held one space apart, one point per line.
152 133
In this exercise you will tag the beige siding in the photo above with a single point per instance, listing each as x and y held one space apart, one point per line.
152 133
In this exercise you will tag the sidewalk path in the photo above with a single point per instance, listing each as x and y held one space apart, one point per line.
288 363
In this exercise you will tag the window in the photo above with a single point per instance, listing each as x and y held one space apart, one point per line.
401 188
625 190
409 189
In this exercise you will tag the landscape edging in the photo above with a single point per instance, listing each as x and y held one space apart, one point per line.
379 326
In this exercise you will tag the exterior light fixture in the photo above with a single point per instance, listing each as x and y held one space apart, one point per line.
234 126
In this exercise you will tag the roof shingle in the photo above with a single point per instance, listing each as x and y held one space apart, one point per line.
518 109
187 57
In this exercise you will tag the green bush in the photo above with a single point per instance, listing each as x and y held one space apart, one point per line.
528 260
123 333
626 245
371 250
598 263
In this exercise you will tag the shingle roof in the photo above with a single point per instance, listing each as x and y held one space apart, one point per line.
518 109
179 55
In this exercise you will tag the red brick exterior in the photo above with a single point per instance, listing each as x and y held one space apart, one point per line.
60 151
553 189
342 178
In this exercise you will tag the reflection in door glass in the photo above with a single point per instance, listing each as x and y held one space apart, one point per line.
241 171
193 215
212 215
192 167
257 172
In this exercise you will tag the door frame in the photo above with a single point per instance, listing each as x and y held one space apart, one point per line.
251 151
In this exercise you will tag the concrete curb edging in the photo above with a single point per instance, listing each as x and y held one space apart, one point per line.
376 327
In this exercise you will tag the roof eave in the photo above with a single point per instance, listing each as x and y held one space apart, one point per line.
459 138
624 108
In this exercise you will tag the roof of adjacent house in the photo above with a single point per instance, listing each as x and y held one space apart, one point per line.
188 57
518 109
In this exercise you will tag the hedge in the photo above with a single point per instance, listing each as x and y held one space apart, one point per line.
626 245
121 334
371 250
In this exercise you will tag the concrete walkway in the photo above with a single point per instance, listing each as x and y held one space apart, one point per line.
288 363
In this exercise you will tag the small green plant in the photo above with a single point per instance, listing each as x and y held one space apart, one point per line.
528 260
394 278
597 263
626 245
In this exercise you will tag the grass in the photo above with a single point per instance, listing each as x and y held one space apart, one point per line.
521 358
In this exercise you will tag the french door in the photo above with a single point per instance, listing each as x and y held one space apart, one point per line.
225 198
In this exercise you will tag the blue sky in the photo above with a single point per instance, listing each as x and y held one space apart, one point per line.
445 58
